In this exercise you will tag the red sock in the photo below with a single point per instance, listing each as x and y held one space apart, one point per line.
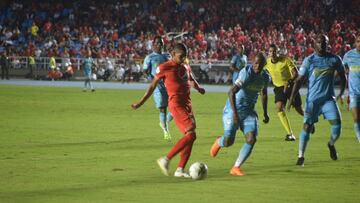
185 154
180 145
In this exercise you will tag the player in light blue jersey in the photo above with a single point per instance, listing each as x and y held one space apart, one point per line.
151 63
238 62
88 64
242 99
319 70
352 64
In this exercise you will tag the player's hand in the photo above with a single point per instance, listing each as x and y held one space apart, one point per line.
201 90
266 118
135 105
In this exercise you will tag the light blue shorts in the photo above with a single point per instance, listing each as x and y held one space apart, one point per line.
247 123
329 109
354 102
160 98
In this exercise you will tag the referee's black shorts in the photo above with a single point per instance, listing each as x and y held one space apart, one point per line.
282 96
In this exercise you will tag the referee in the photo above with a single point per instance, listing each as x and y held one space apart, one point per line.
283 71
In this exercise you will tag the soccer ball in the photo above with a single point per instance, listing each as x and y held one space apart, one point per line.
198 171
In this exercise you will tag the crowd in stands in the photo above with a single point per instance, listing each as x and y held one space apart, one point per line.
210 28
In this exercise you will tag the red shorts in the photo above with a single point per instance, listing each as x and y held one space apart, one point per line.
184 117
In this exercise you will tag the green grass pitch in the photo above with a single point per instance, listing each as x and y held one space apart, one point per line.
63 145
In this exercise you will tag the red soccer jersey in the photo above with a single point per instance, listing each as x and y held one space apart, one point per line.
177 82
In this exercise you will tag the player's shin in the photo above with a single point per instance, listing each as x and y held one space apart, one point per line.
304 138
335 133
244 154
189 138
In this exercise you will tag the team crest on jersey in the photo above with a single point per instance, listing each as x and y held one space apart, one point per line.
157 69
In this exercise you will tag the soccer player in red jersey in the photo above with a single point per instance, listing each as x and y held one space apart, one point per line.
178 79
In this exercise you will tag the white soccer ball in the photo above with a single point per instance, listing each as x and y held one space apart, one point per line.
198 171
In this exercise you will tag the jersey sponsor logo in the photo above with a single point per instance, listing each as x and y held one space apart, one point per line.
323 71
254 87
354 68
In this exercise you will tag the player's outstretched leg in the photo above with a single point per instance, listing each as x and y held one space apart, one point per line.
335 134
163 163
244 153
304 138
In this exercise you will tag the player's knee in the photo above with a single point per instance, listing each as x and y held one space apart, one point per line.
228 141
336 127
191 134
251 138
308 127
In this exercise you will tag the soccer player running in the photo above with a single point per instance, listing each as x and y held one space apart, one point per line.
88 64
238 62
151 62
239 111
178 79
283 71
352 64
319 70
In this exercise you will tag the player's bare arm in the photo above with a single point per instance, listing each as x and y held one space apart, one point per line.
342 84
264 101
232 92
147 94
297 84
194 83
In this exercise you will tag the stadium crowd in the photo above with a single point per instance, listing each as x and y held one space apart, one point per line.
211 29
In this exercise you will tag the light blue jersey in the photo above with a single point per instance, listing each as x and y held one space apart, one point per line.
88 63
251 85
245 100
239 62
151 62
320 73
352 60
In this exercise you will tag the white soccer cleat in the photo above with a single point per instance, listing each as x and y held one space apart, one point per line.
163 163
180 173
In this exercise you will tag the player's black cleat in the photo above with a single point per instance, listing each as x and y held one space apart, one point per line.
300 161
290 137
333 154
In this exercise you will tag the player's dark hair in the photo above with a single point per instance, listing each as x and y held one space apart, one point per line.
180 47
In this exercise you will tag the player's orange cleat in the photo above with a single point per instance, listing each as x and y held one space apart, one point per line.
215 148
236 171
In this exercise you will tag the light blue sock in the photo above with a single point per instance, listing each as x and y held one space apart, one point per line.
169 117
85 84
357 130
304 138
335 133
244 154
163 120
